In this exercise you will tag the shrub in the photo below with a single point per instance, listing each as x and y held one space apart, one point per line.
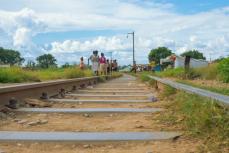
224 70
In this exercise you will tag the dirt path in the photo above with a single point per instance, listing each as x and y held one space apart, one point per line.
100 122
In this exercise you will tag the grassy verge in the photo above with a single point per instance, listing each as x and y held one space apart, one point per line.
18 75
220 90
144 78
178 72
200 118
205 73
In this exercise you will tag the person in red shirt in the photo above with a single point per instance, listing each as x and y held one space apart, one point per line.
102 62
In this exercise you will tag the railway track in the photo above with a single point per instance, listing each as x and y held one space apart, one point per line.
81 115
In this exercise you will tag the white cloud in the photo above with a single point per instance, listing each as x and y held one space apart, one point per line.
100 43
20 27
22 37
155 25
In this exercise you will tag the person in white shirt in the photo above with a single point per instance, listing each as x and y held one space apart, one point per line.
95 62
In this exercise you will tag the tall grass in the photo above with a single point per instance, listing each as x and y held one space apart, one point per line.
208 73
177 72
14 74
168 91
144 77
17 75
204 118
201 118
211 72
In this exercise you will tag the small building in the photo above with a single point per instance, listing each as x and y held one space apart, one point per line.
179 61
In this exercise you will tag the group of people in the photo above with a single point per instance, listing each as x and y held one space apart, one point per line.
100 64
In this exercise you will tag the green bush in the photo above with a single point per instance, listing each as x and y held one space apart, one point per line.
224 70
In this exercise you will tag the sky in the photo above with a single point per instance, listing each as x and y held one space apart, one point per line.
69 29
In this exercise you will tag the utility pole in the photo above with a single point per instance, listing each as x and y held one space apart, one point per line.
111 62
210 56
134 62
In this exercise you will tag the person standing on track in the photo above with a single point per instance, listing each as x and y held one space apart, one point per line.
102 62
95 62
134 68
115 65
81 63
108 67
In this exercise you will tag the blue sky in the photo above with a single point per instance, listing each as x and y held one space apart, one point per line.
186 7
82 35
195 6
69 29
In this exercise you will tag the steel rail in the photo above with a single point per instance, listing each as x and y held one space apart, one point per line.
18 87
222 99
35 90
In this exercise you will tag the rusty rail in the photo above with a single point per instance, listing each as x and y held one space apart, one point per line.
43 89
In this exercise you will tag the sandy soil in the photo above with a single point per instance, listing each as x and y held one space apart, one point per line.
119 93
101 105
106 122
183 145
109 98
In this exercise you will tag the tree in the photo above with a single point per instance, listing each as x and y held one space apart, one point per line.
9 56
159 53
46 61
30 64
194 54
219 59
66 65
